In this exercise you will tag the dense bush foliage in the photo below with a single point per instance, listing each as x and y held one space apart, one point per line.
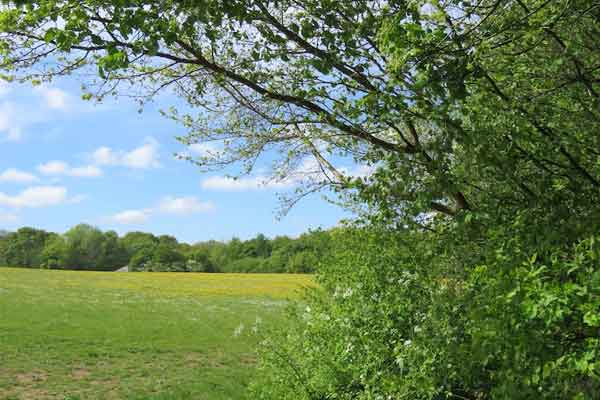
501 300
425 315
87 248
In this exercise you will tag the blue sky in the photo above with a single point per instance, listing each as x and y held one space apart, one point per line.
65 161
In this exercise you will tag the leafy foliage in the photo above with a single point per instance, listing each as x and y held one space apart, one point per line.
412 318
85 247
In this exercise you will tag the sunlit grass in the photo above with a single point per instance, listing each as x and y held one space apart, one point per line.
96 335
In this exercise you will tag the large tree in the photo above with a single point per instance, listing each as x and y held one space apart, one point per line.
386 82
24 247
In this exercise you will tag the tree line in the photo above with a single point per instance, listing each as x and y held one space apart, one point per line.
88 248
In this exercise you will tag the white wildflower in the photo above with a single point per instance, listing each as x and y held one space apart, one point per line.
238 331
349 348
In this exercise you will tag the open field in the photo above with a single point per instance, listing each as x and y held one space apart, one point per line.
93 335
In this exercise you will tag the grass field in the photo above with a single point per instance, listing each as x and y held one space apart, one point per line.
92 335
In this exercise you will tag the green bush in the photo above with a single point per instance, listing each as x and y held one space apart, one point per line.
436 315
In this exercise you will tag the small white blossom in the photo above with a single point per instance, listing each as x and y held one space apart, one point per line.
349 348
238 331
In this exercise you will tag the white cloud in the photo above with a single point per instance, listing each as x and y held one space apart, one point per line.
142 157
89 171
62 168
309 167
54 98
54 168
145 156
16 176
35 197
309 170
203 149
228 184
181 206
10 126
360 171
40 104
105 156
130 217
184 205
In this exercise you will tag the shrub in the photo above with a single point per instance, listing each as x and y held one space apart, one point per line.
436 315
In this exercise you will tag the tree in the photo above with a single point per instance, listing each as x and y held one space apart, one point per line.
24 247
54 255
133 242
309 79
385 82
113 254
199 261
84 248
257 247
141 260
166 257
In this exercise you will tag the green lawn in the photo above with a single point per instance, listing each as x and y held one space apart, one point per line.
94 335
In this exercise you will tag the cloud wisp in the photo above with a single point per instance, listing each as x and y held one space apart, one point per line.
40 104
131 217
11 125
184 206
143 157
38 197
54 98
308 170
13 175
228 184
61 168
170 205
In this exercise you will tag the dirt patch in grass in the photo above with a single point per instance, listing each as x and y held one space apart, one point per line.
110 383
26 394
249 359
35 394
193 359
80 373
215 359
31 378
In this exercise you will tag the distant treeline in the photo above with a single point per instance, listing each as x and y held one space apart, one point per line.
85 247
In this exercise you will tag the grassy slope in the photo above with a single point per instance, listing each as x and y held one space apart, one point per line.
88 335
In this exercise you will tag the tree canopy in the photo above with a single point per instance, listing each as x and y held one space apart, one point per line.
417 88
87 248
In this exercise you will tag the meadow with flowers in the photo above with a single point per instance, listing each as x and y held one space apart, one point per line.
94 335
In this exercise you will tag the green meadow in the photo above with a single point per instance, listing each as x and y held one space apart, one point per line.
98 335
